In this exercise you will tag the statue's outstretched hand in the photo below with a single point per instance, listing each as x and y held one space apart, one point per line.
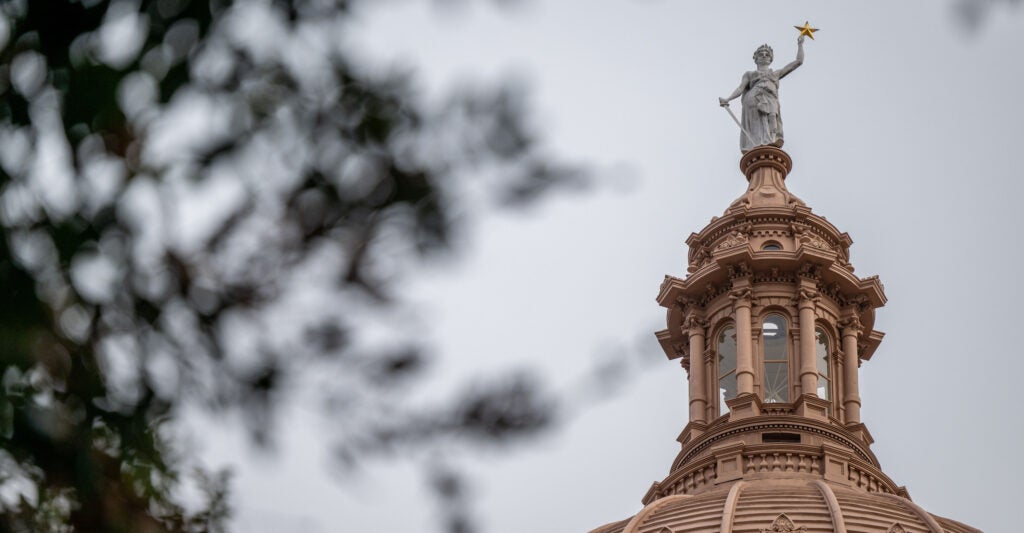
800 40
723 102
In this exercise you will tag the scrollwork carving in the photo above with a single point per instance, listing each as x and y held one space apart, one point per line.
807 295
852 324
701 256
897 528
692 322
860 300
803 233
815 241
734 239
683 303
741 295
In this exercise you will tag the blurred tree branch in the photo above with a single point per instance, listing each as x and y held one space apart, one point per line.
200 201
972 14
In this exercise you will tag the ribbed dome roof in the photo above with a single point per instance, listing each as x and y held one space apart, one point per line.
784 505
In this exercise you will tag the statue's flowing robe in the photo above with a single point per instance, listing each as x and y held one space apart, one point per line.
761 116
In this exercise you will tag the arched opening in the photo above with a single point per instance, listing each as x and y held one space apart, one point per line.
726 368
776 359
823 361
771 246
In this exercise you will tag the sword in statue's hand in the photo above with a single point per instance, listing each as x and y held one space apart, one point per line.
725 104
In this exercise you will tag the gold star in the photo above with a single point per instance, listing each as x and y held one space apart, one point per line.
806 29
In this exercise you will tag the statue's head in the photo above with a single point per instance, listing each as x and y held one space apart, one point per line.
763 55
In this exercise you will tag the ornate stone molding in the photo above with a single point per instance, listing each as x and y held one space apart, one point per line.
694 324
807 297
741 297
737 238
684 303
851 324
701 256
783 524
765 156
739 270
809 271
762 424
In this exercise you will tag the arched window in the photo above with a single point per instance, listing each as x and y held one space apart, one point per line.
726 368
771 246
822 360
776 359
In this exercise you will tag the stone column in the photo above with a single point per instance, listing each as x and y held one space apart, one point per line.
851 362
744 349
808 367
698 392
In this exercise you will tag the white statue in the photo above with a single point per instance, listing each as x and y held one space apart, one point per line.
762 123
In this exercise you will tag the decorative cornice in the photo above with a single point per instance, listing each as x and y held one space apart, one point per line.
762 423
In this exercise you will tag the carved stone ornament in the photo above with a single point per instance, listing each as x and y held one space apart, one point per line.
735 239
809 270
814 241
701 257
741 294
783 524
852 323
807 295
738 270
897 528
683 303
692 322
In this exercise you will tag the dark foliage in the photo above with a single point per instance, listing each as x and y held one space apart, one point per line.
200 201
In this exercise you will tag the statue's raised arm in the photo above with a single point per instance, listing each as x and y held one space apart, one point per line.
796 62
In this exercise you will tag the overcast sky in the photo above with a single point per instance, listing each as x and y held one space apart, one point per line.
904 132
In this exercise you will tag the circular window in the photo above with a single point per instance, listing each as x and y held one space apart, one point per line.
771 246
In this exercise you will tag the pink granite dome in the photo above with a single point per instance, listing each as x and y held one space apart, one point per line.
771 325
780 506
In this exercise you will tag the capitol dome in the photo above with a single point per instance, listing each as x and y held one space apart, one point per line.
771 325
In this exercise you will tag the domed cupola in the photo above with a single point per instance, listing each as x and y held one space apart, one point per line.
772 324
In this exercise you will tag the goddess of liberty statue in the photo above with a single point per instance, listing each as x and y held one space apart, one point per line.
762 123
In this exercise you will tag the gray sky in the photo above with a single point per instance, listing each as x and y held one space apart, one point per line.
903 133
